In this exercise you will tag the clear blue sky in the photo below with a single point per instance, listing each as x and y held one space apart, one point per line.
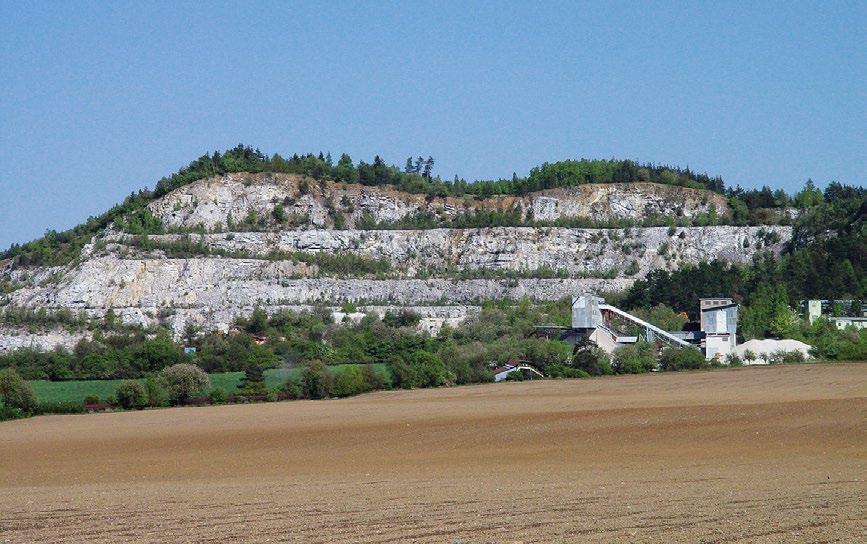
100 99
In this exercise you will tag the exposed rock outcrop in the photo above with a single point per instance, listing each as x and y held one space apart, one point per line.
215 203
576 252
440 273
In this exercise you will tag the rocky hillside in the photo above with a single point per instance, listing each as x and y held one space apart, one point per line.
217 203
284 241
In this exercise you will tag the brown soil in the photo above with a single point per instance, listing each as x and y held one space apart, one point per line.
760 455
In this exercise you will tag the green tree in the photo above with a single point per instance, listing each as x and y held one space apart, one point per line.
184 380
768 302
809 196
430 369
258 321
345 171
258 359
785 323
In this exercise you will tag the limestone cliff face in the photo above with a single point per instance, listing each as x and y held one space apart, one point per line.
217 202
440 273
567 251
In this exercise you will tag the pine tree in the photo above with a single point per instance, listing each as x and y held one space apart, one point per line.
428 167
345 170
408 168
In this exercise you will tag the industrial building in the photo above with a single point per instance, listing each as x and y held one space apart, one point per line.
813 309
844 322
595 321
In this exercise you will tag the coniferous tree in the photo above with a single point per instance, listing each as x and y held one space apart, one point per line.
345 171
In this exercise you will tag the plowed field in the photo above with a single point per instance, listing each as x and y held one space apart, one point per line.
757 454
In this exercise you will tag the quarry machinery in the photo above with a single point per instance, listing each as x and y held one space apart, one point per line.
593 320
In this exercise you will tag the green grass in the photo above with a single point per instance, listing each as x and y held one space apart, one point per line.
73 390
76 390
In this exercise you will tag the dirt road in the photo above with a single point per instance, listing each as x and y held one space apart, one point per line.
758 455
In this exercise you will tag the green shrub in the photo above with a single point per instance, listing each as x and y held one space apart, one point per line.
682 359
131 395
60 407
402 374
634 359
349 382
15 393
8 412
157 394
786 357
515 376
565 371
317 381
590 359
293 388
183 381
91 399
279 213
218 396
403 318
733 360
372 379
429 369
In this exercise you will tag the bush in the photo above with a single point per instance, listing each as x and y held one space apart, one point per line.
8 412
218 396
403 318
61 407
184 380
634 359
563 371
15 393
515 376
429 370
590 359
682 359
317 381
156 392
293 388
402 374
91 399
131 395
349 382
372 379
785 357
733 360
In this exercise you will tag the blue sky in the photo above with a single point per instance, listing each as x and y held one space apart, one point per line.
100 99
